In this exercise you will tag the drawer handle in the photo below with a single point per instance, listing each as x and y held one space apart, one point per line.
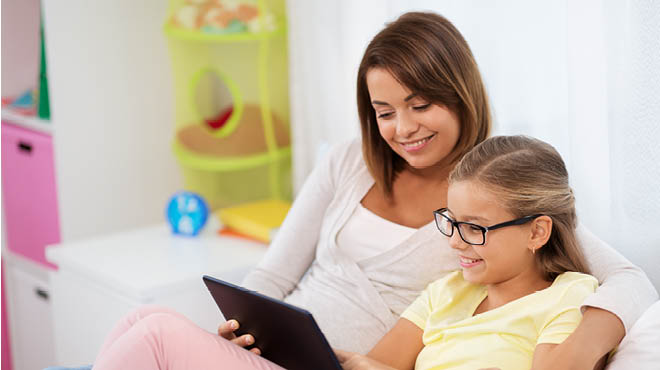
25 147
43 294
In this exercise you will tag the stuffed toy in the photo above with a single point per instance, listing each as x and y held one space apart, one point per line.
222 17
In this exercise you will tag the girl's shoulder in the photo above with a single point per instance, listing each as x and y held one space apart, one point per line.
573 286
574 278
452 285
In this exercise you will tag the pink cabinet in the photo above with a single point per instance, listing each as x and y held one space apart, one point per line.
29 192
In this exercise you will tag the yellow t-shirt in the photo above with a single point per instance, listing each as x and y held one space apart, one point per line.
504 337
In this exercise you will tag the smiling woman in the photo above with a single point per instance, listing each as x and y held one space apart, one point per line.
417 76
417 130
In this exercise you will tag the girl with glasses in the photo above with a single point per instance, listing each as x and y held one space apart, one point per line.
522 281
360 242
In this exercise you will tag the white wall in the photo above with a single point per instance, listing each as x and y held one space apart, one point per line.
112 111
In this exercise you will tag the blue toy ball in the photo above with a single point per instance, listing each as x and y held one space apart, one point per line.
187 213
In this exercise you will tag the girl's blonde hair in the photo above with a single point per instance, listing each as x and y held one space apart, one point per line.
427 54
528 176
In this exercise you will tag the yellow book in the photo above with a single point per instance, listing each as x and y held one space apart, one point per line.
259 220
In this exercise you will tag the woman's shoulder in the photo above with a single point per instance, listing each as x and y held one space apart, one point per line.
344 159
347 151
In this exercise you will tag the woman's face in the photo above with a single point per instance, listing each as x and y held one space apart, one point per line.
506 255
423 134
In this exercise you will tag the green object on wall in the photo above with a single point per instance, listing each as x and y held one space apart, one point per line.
43 110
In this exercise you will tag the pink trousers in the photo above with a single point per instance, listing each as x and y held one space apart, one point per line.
153 337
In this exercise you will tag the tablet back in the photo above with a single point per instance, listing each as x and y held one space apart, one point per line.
285 334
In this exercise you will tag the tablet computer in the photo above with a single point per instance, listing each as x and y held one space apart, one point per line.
285 334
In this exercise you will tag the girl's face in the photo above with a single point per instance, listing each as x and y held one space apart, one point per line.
423 134
506 255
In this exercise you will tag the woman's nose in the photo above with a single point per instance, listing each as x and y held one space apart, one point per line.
406 125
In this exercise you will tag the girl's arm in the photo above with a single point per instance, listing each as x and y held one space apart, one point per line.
579 350
294 248
400 346
397 350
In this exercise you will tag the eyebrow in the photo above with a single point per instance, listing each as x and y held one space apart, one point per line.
469 218
378 102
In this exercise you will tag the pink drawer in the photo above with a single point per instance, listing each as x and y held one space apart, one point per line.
28 191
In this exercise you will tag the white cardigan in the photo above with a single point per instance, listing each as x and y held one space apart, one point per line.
355 304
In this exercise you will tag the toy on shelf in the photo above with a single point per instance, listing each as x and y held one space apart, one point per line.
231 92
187 213
222 17
24 104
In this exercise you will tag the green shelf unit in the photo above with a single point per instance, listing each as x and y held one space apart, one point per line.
249 156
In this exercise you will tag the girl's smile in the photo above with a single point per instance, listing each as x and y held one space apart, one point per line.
469 262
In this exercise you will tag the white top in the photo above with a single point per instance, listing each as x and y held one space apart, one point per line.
367 235
356 303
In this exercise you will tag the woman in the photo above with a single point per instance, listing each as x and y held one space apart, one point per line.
359 243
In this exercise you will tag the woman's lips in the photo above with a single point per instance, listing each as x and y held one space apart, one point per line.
413 146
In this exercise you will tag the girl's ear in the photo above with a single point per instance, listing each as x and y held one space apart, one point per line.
541 230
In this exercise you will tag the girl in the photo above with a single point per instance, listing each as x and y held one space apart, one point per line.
510 217
360 243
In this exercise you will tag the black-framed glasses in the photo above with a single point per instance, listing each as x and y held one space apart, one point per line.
471 233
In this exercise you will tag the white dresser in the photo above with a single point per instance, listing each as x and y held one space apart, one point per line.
99 280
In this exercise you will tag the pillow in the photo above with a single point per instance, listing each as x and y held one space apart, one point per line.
639 348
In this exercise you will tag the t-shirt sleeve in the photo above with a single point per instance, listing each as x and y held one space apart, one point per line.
432 298
418 312
567 315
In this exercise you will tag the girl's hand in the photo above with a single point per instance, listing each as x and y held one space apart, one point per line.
354 361
226 330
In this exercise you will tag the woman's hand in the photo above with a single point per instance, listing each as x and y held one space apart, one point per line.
354 361
226 330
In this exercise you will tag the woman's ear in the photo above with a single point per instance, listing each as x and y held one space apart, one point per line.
541 230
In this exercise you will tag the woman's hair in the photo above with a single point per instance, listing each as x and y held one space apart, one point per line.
428 55
529 177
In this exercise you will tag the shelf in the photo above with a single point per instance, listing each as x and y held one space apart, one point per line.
189 35
30 122
219 164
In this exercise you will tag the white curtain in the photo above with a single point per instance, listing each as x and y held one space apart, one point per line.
582 75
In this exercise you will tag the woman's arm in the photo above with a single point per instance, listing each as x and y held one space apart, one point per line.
397 350
624 294
624 289
294 248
